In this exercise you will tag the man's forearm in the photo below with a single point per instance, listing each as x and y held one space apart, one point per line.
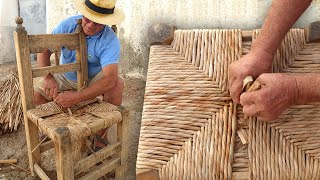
281 16
98 88
308 88
43 59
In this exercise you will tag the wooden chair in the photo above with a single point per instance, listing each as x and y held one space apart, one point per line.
67 130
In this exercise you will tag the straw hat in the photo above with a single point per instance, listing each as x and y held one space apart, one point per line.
100 11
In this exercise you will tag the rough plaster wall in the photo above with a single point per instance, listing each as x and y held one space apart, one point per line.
33 14
58 10
248 14
8 12
7 53
7 24
141 14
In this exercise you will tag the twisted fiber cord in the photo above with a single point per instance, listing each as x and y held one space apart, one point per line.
288 148
185 87
210 50
208 153
307 61
172 106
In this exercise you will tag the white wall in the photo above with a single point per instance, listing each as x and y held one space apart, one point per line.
140 14
34 17
8 12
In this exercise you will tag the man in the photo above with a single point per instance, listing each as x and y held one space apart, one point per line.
278 91
103 57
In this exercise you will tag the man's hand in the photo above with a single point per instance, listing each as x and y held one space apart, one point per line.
50 86
278 92
67 99
252 64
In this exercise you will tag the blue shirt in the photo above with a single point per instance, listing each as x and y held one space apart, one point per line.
103 48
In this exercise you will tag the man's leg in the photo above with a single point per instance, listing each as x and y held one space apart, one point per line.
113 96
39 94
39 99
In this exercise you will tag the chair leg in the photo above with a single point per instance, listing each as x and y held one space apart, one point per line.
123 137
32 137
64 157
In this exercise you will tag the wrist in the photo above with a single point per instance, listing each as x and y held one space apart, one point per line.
263 60
261 51
48 76
78 97
264 43
295 91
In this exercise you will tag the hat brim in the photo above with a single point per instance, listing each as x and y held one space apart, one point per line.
108 19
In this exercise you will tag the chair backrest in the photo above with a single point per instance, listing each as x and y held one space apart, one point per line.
27 44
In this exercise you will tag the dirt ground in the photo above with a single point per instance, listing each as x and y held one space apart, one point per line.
13 145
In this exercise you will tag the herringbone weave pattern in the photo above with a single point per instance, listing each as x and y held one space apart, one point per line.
190 126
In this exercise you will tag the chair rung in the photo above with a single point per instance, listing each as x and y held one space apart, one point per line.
102 169
40 172
87 162
39 42
46 146
41 71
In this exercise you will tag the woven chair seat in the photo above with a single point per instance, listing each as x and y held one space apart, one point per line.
191 128
82 120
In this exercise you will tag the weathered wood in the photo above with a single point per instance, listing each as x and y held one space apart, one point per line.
313 32
243 136
85 163
246 35
115 29
57 57
102 169
46 146
81 57
63 152
41 71
161 34
149 174
53 41
123 136
25 78
240 175
8 161
40 172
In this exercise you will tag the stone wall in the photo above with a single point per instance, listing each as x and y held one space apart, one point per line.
183 14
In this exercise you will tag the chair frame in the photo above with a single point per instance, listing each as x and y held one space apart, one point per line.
25 45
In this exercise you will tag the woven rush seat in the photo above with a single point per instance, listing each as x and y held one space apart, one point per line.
82 121
191 129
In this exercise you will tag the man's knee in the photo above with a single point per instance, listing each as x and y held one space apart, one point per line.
38 98
114 96
119 84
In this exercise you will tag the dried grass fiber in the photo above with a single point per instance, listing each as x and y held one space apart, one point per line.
10 104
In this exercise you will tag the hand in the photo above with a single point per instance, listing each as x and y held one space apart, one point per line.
67 99
50 86
277 92
252 64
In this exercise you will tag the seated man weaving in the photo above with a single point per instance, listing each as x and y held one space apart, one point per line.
103 57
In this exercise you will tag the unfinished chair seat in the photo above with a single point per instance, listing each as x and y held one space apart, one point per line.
82 120
191 128
70 130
